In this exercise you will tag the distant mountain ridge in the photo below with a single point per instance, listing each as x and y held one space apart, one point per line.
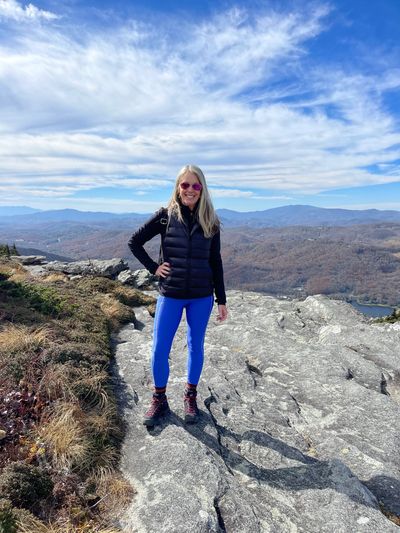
289 215
11 210
306 215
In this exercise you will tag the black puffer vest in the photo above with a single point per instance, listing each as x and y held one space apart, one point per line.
188 254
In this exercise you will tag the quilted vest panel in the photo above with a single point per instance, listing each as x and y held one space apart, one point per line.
188 254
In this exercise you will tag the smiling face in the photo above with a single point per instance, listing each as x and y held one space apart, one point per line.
189 197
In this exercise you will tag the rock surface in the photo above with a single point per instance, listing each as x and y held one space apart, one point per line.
140 279
109 268
29 259
299 428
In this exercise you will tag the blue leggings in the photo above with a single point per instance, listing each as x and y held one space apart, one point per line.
166 321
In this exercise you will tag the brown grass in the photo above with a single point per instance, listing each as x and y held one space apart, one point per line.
132 297
18 277
10 267
78 428
54 277
15 338
29 524
90 387
116 312
55 383
102 421
64 434
76 384
115 493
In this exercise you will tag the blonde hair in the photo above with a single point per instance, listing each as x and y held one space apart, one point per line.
206 214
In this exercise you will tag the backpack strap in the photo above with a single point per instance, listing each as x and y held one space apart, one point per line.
164 221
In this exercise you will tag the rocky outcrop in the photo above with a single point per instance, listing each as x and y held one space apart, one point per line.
109 268
139 279
299 428
29 259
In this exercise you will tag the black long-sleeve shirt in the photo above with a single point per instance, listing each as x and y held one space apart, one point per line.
153 227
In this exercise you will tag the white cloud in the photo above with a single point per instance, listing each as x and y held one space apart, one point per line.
230 193
128 107
11 9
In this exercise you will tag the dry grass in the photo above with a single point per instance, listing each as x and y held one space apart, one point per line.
102 421
10 267
20 276
79 429
132 297
116 312
29 524
90 388
115 493
15 338
54 384
75 384
64 434
54 277
105 461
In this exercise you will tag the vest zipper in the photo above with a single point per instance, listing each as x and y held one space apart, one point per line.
189 265
189 255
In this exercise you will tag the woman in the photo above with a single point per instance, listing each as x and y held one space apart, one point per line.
190 270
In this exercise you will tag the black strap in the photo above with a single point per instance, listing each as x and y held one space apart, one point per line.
164 221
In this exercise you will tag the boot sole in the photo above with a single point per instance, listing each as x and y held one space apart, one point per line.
149 422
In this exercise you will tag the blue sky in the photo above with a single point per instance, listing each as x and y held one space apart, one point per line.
279 102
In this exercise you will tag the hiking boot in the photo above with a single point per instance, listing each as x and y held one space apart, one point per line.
158 408
191 409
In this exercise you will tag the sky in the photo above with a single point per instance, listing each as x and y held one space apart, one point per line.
279 102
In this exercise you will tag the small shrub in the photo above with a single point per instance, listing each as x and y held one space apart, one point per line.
7 517
25 484
96 284
65 486
75 352
46 300
5 250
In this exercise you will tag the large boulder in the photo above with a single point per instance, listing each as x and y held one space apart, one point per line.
29 259
108 268
299 428
140 279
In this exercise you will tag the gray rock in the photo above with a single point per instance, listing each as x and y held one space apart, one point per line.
126 277
109 268
144 279
140 279
29 259
299 428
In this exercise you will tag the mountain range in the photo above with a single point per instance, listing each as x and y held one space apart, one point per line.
289 215
289 251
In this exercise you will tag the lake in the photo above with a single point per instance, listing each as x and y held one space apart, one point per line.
372 310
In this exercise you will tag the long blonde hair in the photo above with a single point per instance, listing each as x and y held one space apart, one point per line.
206 214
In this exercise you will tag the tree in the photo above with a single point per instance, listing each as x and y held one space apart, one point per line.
5 250
14 250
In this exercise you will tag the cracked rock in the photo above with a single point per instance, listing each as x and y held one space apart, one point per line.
299 425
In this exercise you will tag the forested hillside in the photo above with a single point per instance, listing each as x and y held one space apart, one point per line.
361 261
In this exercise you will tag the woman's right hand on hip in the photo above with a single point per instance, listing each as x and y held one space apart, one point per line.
163 270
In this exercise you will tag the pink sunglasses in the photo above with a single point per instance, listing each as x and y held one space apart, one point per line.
196 186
